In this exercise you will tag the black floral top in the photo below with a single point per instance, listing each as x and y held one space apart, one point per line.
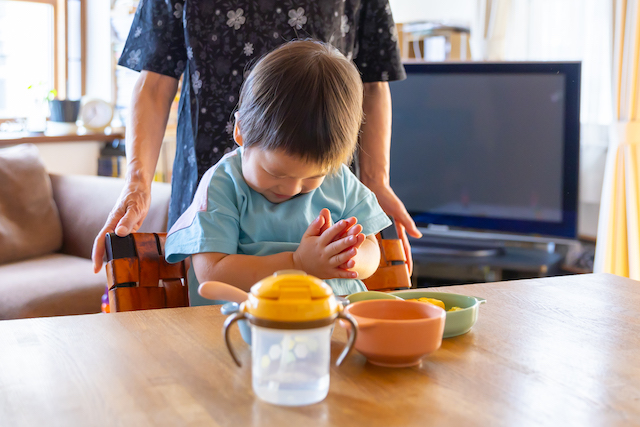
213 44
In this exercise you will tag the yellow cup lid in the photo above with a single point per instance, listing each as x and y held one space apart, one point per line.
291 296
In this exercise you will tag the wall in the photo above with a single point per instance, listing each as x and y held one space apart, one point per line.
422 10
72 158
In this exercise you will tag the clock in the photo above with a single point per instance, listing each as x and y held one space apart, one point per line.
96 114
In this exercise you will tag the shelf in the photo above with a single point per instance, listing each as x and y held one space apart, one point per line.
39 138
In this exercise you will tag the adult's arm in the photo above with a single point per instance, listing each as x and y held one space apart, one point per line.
375 142
150 104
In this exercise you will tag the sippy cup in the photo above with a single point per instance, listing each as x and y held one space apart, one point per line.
291 316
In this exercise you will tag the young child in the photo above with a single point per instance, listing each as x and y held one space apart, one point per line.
285 198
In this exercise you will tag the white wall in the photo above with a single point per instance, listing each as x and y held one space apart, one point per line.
433 10
71 158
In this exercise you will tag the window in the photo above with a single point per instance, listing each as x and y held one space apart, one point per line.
40 51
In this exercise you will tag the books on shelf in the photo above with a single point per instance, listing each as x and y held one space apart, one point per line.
112 161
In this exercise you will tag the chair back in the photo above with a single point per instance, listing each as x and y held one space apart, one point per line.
139 277
393 271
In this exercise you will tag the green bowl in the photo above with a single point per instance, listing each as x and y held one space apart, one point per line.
367 295
457 322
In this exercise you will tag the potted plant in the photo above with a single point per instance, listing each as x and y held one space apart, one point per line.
63 115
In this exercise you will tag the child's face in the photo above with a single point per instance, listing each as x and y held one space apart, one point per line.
279 176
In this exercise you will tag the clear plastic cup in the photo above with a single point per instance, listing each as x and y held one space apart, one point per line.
291 367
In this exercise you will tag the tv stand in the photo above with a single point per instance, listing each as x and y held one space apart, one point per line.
440 259
448 246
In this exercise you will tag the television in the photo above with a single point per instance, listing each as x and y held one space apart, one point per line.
488 147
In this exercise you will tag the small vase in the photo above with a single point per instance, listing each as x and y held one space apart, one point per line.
64 110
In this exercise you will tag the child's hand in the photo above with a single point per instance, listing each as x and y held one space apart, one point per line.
324 253
324 213
352 229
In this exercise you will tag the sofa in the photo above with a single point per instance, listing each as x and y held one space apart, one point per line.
47 227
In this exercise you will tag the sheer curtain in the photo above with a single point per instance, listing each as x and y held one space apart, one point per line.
489 30
618 244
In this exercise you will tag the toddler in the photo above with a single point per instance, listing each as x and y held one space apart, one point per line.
285 199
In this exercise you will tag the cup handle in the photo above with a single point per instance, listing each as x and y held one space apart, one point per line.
352 336
227 323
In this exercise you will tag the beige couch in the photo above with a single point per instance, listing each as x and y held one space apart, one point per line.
47 227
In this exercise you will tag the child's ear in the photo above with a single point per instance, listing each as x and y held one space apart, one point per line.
237 136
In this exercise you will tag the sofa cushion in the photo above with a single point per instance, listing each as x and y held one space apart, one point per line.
84 203
43 286
29 221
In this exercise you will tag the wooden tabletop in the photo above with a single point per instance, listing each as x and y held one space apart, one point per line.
553 351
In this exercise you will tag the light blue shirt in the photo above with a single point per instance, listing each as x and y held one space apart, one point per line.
228 216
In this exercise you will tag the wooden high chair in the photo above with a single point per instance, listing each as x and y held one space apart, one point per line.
140 278
393 271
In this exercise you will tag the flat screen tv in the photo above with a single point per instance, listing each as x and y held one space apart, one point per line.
488 146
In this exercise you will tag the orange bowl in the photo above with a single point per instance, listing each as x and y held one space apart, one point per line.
396 333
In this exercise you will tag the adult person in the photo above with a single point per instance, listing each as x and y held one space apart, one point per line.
212 45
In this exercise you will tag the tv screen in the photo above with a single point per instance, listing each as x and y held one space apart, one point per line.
488 146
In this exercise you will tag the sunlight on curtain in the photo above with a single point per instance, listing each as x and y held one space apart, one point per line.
618 244
488 32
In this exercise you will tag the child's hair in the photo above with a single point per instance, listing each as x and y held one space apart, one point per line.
304 98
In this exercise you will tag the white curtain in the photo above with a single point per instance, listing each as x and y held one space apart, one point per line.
618 243
488 32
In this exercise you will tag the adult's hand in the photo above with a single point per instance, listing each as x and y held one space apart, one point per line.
126 217
394 207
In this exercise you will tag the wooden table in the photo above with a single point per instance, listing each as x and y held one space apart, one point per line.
552 351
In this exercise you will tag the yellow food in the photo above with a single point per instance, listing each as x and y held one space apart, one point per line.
429 301
434 302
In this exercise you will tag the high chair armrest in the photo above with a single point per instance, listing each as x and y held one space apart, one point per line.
393 271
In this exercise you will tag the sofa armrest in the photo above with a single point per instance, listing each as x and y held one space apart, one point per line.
84 202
